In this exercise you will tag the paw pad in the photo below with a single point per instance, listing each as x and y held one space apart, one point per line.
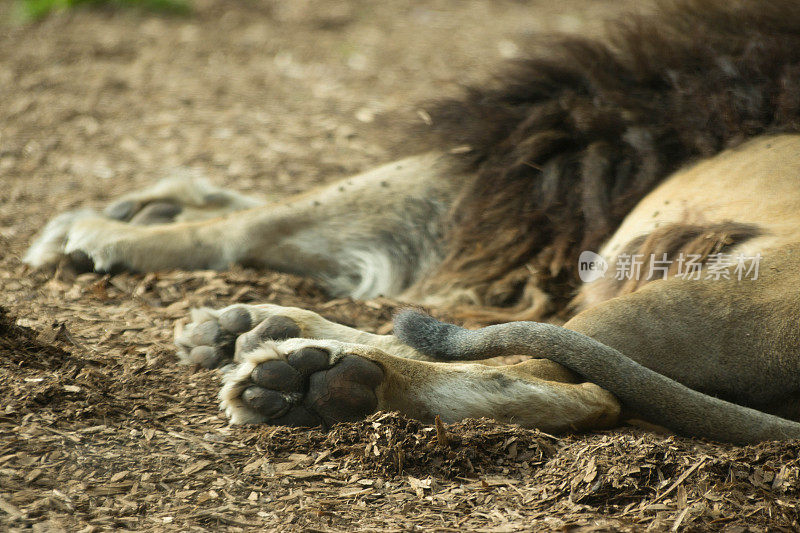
307 391
212 340
277 375
274 328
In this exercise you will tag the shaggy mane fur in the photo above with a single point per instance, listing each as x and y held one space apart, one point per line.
566 145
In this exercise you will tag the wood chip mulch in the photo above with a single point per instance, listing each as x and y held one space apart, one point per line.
87 444
101 430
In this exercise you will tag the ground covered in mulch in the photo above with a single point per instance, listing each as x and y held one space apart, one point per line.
100 429
88 443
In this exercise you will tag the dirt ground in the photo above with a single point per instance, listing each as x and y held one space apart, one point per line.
100 429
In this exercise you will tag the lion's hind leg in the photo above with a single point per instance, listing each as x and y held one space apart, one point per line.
307 382
290 366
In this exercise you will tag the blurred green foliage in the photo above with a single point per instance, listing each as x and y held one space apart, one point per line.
36 9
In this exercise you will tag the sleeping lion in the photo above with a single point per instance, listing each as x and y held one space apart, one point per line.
643 190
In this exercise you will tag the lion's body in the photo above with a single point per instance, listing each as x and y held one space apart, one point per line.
431 230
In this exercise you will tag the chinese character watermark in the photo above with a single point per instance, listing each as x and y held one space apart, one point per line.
718 266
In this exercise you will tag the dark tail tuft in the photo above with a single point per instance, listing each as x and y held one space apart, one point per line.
426 334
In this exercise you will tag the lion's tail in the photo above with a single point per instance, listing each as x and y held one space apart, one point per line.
652 395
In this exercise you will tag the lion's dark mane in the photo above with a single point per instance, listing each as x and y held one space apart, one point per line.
566 144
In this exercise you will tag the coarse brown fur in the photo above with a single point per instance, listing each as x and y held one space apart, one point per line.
567 143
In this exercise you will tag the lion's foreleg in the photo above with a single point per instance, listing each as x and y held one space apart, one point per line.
372 234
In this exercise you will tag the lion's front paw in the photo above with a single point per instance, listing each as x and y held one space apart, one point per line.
88 240
49 246
182 198
214 338
99 244
301 383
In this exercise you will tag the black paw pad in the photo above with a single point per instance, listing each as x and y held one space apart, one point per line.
346 392
213 346
270 403
277 375
279 328
205 333
236 320
309 360
207 356
274 328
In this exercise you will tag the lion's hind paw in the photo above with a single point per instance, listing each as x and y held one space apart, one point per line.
301 383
